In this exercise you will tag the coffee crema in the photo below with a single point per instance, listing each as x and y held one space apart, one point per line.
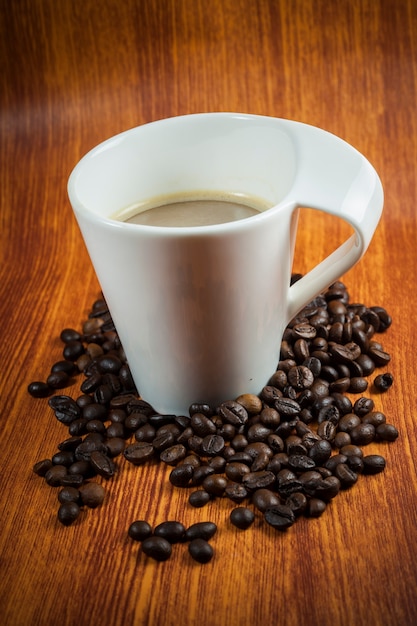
199 209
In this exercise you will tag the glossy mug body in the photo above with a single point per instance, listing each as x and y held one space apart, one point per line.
200 310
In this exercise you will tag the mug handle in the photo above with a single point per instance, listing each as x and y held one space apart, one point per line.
333 177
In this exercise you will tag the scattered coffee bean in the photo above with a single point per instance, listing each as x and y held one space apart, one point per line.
383 382
199 498
68 512
172 531
280 516
92 494
200 550
139 530
242 517
39 389
157 548
200 530
373 464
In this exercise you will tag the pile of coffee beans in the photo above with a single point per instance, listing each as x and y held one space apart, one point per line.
286 452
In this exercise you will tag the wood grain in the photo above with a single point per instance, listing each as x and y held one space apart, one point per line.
76 72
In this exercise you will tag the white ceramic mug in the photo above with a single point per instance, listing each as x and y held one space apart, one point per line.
200 310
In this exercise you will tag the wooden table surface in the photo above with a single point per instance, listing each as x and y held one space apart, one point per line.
76 72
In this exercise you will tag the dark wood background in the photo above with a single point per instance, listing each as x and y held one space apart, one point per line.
74 72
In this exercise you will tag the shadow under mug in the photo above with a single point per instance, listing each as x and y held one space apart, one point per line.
200 310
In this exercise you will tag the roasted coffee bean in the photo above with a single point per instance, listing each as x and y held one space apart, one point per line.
82 468
355 463
242 517
300 462
55 474
103 394
334 461
87 447
214 484
235 471
212 445
326 430
70 334
200 530
174 454
301 350
202 425
264 499
92 494
345 353
65 408
108 364
203 408
320 451
378 356
279 516
139 530
73 350
287 407
58 379
304 331
358 384
386 432
69 494
233 413
300 377
39 389
316 507
94 411
201 472
297 502
348 422
375 418
181 475
91 383
199 498
383 382
146 432
218 463
95 426
236 492
258 432
385 319
42 467
64 457
346 475
366 364
362 434
278 380
328 488
258 480
373 464
363 406
200 550
102 464
72 480
157 548
341 439
250 402
68 512
342 403
70 443
139 453
83 400
172 531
